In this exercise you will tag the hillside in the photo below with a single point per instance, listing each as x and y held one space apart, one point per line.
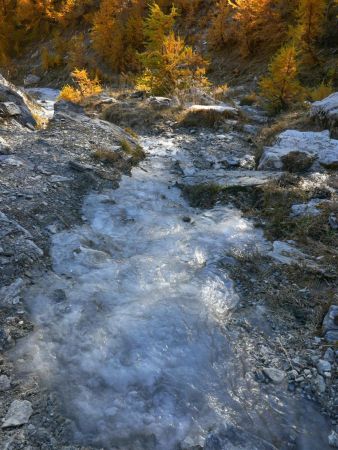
237 38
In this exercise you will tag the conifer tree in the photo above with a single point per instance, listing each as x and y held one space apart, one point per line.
252 24
169 64
281 87
311 16
107 32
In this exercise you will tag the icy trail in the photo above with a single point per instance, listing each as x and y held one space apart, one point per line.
131 328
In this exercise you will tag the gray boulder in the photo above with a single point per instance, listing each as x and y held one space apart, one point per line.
4 147
16 104
31 79
298 150
9 109
330 324
326 113
160 102
276 376
18 414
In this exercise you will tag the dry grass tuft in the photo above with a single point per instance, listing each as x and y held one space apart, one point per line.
137 115
131 132
137 153
202 195
208 118
107 156
249 100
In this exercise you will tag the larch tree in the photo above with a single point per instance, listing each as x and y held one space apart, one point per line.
310 26
107 32
281 87
252 24
169 64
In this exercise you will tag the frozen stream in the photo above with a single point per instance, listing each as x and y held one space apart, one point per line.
131 328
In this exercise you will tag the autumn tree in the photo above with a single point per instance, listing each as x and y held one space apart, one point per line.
169 64
107 32
310 26
219 30
252 24
8 32
281 87
117 33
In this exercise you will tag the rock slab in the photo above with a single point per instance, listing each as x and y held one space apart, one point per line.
18 414
330 324
311 145
326 112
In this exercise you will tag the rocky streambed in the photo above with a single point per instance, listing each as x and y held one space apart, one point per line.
139 333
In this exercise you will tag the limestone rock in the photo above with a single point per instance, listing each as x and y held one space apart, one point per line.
5 383
11 94
323 366
311 145
241 178
310 209
275 375
222 110
4 147
9 109
333 439
330 324
31 79
160 102
326 113
18 414
9 294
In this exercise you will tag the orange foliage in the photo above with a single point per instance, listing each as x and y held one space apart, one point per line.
281 87
84 87
251 23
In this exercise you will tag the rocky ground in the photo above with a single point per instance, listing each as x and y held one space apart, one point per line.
44 175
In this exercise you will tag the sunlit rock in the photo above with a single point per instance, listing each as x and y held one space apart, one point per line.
311 145
326 113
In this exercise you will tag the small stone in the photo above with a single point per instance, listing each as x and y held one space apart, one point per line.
331 336
293 374
333 221
80 167
31 79
8 294
299 379
320 384
186 219
9 109
59 179
275 375
333 439
329 355
323 366
18 414
5 149
5 383
330 324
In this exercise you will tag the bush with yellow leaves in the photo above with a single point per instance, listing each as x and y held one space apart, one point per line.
84 87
